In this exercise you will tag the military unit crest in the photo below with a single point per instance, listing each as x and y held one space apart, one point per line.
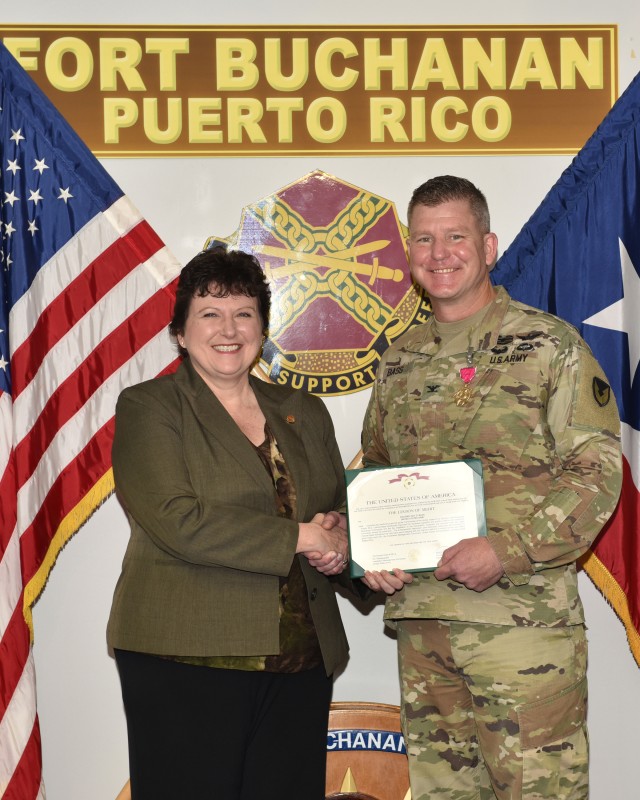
341 290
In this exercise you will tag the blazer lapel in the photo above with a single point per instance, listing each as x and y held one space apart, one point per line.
212 416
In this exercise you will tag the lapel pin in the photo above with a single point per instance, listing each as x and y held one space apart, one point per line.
290 419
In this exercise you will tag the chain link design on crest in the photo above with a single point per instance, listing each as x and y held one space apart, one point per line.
294 232
351 294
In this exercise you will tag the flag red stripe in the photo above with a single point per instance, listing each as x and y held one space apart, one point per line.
109 356
14 649
96 280
26 779
618 545
7 507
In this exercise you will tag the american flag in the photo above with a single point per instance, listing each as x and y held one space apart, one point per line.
579 257
85 297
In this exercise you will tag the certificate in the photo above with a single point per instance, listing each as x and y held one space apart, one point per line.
407 516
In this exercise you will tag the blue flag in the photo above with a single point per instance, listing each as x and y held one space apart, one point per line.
578 257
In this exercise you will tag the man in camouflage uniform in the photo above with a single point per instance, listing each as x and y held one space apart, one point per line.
491 646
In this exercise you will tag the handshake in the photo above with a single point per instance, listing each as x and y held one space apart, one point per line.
324 542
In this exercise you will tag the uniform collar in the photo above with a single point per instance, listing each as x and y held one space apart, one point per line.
482 336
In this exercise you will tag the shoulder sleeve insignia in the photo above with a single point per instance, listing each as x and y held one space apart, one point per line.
601 391
594 402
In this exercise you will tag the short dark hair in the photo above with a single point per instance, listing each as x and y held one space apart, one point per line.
227 272
444 188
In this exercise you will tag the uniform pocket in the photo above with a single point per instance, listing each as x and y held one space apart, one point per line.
554 718
555 746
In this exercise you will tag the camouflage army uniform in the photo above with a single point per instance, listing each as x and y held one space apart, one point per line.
544 423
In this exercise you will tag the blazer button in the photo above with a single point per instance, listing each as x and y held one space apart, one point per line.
314 594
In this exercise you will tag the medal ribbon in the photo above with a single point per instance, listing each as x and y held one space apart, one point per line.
467 374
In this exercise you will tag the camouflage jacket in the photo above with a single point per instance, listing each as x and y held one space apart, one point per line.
544 423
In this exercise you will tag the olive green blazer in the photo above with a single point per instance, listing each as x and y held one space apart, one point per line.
201 572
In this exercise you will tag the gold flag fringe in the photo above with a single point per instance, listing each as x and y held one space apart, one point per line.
70 525
615 596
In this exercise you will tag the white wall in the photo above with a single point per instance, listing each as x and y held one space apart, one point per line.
83 732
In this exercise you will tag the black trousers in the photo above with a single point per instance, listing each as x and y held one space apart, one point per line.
200 733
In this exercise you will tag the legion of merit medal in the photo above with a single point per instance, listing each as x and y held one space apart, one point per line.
464 395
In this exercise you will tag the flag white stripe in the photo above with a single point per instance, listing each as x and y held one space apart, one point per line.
72 437
6 435
163 266
11 582
10 576
123 216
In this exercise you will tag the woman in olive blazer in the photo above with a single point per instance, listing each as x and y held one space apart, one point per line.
197 608
200 575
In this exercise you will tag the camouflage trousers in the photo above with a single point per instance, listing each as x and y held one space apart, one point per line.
494 711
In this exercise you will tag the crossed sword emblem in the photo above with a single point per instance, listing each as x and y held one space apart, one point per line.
298 262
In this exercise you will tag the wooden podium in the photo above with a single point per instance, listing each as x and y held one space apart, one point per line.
366 757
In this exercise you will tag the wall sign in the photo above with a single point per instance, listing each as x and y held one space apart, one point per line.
299 91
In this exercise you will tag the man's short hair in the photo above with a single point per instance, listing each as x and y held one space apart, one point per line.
445 188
